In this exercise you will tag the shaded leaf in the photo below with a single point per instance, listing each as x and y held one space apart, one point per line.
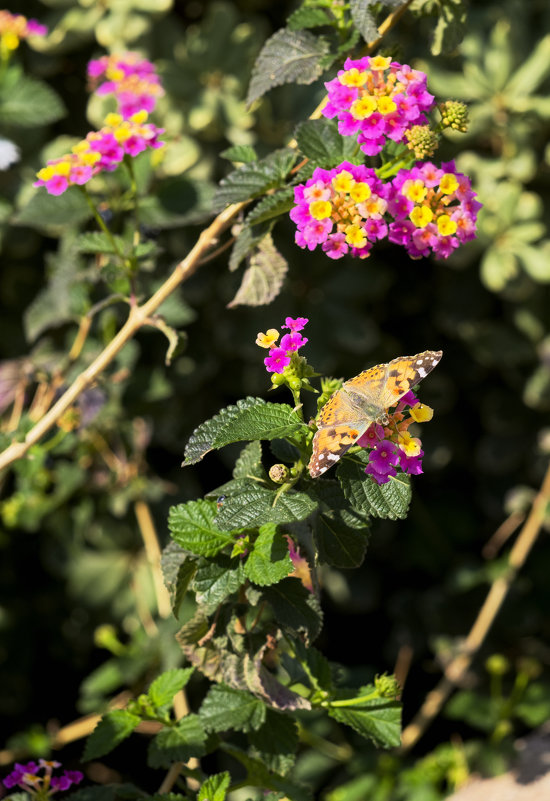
272 206
363 18
323 144
98 242
255 178
192 526
309 18
228 708
263 278
295 607
287 57
112 729
177 743
44 211
177 570
249 463
251 418
275 742
252 505
269 561
217 578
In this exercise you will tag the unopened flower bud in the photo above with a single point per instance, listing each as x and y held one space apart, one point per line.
279 473
277 379
454 114
422 141
497 665
387 686
295 383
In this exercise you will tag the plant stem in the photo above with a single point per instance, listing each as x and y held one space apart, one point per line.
101 222
353 701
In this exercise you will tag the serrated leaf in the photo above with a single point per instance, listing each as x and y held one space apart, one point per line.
389 500
272 206
338 544
363 18
275 742
29 103
247 240
250 419
269 561
163 689
259 776
318 665
309 18
255 178
44 211
244 153
228 708
177 570
177 743
98 242
112 729
249 463
287 57
192 526
263 278
215 787
252 505
323 144
378 720
295 607
217 578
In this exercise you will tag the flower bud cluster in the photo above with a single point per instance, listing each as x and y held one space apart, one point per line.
391 446
454 114
130 78
102 150
37 779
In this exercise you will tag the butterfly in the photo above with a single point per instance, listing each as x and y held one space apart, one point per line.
362 401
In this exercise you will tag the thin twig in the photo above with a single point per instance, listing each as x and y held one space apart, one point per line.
138 314
458 666
153 553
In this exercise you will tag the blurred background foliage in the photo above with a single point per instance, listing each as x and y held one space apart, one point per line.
78 616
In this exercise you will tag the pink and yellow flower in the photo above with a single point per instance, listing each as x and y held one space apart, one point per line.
14 27
130 78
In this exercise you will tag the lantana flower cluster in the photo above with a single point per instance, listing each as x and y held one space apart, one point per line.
280 355
391 446
377 98
130 78
434 209
14 27
38 779
102 150
342 210
346 209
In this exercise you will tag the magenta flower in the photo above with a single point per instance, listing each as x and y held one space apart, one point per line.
130 78
277 360
45 785
411 464
382 461
295 325
377 99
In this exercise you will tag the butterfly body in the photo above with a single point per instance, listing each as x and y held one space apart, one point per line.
363 400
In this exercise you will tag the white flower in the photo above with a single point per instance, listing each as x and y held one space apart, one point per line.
9 153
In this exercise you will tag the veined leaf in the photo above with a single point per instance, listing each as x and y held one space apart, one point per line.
217 578
249 463
275 742
263 277
255 178
309 18
192 526
251 505
272 205
177 569
287 57
269 561
112 729
228 708
389 500
163 689
377 719
215 787
177 743
295 607
363 18
250 419
322 143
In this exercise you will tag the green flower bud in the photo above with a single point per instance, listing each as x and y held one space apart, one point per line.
387 686
497 665
422 141
277 379
454 114
279 473
295 383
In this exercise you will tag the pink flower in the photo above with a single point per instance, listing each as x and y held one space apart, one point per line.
277 360
295 325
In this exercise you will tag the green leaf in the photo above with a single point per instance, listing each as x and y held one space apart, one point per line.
215 787
263 278
295 607
112 729
217 578
341 534
243 153
389 500
272 206
275 742
259 776
227 708
251 418
363 18
44 211
378 719
29 103
247 240
534 707
450 28
163 689
479 711
252 505
287 57
192 526
309 18
269 561
322 143
98 242
177 743
249 463
178 570
255 178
